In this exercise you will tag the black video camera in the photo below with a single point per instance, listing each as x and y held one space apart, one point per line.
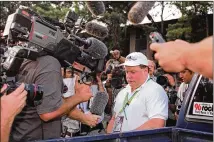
163 81
10 67
34 92
41 36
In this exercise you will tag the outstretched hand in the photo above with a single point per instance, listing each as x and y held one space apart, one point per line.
170 55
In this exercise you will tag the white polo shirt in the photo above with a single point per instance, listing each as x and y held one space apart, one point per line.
151 101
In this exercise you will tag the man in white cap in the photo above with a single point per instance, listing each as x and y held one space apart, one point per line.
142 104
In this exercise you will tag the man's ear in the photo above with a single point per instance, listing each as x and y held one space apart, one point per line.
147 70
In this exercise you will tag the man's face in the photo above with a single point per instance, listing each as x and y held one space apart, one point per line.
186 76
136 76
151 67
68 73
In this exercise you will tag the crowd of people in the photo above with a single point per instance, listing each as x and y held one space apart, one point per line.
139 102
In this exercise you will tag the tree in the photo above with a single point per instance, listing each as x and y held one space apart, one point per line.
181 30
114 17
53 9
196 13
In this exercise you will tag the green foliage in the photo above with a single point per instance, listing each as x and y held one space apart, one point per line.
181 30
192 26
115 15
194 7
48 9
54 9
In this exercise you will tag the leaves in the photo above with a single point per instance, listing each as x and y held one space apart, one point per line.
192 26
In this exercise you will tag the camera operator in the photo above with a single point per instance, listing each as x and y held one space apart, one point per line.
43 121
11 105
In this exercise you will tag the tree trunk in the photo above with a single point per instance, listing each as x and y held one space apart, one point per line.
207 25
162 22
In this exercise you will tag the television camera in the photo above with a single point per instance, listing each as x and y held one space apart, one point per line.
30 36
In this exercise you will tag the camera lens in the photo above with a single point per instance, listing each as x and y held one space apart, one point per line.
178 109
163 81
34 93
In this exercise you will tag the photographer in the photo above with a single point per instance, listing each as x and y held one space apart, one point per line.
81 113
43 121
11 105
167 81
116 73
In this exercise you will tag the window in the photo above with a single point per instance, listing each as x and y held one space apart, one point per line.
201 102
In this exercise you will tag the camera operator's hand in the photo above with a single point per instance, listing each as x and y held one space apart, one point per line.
117 56
14 102
91 119
11 105
82 91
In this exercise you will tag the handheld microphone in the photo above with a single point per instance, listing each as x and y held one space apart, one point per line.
93 47
99 103
95 7
139 11
96 29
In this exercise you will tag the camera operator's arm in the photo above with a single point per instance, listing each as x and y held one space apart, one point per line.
177 55
81 95
11 105
116 55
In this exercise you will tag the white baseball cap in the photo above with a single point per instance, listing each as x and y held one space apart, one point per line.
136 59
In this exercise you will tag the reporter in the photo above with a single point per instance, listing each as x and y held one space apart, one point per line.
71 122
175 56
11 105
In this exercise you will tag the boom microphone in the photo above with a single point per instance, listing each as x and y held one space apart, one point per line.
139 11
96 7
96 49
93 47
97 30
99 103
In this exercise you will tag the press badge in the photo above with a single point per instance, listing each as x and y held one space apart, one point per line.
118 124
